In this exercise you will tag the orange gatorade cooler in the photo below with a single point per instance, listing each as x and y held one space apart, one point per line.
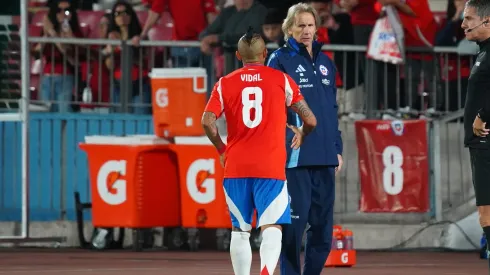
178 99
337 228
342 253
346 258
134 182
201 184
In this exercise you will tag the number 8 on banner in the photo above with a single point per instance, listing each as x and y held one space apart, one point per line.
393 172
249 104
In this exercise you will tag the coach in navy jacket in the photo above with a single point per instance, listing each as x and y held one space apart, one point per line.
311 169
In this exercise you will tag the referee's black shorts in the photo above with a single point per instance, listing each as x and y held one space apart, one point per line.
480 170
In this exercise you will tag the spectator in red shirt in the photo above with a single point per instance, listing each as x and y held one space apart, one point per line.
363 18
337 29
125 26
58 75
419 28
190 18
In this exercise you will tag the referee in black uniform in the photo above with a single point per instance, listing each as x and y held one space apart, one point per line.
476 25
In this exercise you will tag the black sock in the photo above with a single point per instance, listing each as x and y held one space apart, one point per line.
486 229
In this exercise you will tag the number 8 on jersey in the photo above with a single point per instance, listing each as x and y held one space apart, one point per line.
252 104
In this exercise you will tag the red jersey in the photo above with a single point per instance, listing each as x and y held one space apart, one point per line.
364 13
254 100
189 17
424 19
55 62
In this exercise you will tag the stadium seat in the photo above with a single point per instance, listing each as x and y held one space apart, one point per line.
166 20
85 29
37 3
37 19
35 30
90 19
160 33
142 16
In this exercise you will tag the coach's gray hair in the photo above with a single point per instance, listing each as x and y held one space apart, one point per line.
482 7
295 10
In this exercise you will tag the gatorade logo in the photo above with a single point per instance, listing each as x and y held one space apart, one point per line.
201 188
110 185
344 257
161 97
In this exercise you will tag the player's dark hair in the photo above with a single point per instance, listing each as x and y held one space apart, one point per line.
482 7
250 36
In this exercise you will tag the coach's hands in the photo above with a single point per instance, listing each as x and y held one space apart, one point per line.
298 136
341 162
479 127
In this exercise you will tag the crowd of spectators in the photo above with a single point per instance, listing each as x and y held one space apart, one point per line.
426 83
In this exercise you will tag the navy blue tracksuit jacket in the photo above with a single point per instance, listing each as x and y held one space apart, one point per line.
311 169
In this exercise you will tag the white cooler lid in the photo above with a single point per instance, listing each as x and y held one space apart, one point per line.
127 140
177 72
147 140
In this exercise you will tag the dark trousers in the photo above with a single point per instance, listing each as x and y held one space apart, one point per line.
480 171
312 196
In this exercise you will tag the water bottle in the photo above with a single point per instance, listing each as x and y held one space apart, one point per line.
336 230
87 91
65 26
87 95
483 247
334 241
340 241
99 241
348 240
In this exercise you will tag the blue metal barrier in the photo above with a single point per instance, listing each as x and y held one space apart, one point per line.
57 167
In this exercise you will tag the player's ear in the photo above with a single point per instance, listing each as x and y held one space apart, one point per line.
238 56
265 53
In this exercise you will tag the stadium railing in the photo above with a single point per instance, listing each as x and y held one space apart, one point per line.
450 168
397 94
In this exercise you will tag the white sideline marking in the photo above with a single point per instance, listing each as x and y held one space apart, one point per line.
19 270
79 270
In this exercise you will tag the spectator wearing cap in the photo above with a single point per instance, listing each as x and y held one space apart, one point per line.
272 28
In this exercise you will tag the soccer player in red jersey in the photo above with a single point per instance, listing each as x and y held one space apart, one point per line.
254 100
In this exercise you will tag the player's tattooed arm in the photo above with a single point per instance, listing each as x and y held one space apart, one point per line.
306 114
211 129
